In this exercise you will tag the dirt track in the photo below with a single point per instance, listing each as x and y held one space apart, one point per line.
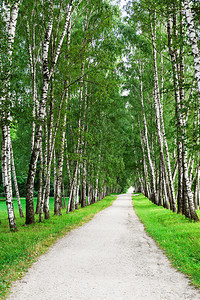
111 257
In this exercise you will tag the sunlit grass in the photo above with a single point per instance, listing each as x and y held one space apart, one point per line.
18 250
177 236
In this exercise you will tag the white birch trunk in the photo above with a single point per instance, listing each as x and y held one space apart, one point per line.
68 167
188 203
165 195
193 40
11 21
84 145
5 162
38 136
42 111
160 124
77 190
39 196
15 183
84 184
173 55
197 192
63 193
191 168
33 63
175 171
71 203
96 190
57 208
48 171
89 195
192 212
55 175
171 181
45 196
154 196
147 184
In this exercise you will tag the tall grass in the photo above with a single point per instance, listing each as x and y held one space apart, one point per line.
18 250
177 236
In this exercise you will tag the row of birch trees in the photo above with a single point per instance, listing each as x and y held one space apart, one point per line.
163 79
62 115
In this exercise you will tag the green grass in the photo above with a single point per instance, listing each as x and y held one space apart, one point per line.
177 236
18 250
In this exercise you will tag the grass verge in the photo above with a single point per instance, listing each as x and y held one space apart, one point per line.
18 250
177 236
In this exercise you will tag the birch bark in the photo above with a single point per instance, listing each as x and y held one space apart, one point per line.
5 155
5 104
154 196
147 191
197 189
84 147
187 203
59 179
73 192
71 203
33 58
47 74
15 183
160 124
63 193
39 196
173 55
193 40
77 200
42 113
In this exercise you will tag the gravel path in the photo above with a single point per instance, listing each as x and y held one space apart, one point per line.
111 257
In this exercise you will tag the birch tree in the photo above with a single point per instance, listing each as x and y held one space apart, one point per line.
47 74
193 39
10 13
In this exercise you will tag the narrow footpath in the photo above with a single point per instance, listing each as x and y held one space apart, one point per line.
111 257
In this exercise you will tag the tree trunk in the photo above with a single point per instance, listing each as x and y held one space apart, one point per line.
160 123
33 58
47 149
63 192
154 196
96 190
147 192
59 179
55 175
47 74
38 135
89 195
193 40
173 55
71 203
197 190
11 13
15 183
6 176
193 214
84 185
77 190
39 196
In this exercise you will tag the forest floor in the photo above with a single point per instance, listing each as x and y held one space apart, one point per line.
110 257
